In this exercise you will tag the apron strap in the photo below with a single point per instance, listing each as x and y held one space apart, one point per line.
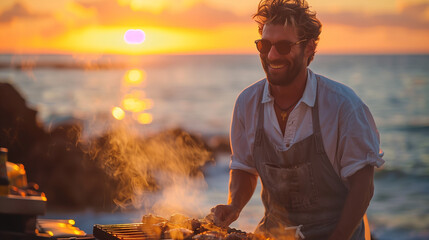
316 124
260 125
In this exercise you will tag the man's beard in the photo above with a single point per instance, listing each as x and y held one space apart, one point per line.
292 71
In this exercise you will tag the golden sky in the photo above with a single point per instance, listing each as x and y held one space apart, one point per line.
203 26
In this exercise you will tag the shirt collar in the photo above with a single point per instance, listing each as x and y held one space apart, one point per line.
308 97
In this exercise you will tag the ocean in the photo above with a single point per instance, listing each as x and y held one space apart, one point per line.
197 93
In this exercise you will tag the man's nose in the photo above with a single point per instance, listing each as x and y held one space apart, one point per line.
273 54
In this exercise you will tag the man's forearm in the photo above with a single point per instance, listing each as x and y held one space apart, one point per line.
241 187
358 198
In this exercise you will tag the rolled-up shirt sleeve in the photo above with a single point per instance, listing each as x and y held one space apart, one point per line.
241 145
359 141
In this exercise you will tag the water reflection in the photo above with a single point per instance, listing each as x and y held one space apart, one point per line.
135 76
134 99
144 118
118 113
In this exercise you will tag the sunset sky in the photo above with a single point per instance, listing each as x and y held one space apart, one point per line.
203 26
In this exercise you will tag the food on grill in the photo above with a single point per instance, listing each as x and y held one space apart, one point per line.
178 233
180 227
153 226
181 221
209 235
238 236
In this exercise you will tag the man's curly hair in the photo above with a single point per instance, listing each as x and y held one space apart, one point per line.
295 13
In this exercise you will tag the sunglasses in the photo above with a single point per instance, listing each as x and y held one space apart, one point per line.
283 47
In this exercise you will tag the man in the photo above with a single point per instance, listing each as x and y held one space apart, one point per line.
312 141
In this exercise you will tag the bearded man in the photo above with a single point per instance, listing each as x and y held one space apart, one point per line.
311 140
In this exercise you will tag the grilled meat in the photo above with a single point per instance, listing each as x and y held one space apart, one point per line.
178 233
180 227
209 235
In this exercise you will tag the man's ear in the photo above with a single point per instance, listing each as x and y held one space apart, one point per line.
310 48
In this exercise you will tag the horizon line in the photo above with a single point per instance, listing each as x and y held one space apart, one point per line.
208 54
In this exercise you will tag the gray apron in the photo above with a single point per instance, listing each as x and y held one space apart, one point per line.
299 186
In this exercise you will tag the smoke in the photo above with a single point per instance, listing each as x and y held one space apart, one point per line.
185 196
162 173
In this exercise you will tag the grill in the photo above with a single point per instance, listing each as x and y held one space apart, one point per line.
132 231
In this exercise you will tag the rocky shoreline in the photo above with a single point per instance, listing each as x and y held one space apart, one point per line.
78 174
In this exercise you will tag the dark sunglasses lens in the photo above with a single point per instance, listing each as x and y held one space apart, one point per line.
283 47
263 46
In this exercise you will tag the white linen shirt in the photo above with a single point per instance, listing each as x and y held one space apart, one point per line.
349 134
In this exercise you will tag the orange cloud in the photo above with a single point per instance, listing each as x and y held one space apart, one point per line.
17 11
374 40
199 15
411 16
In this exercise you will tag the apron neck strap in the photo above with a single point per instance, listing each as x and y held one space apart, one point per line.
316 124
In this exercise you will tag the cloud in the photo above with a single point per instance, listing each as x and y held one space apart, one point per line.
199 15
203 15
19 11
410 17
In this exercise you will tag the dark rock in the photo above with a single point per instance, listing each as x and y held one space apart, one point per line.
54 159
19 128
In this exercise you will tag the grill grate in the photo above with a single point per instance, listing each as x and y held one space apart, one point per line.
131 231
134 231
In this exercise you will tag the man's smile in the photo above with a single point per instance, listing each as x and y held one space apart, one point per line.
277 65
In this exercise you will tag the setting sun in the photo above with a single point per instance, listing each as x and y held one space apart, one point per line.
139 27
134 36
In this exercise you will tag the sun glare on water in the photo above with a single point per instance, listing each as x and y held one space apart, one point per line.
134 100
135 76
118 113
144 118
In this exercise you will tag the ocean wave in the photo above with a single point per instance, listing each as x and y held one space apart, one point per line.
409 123
401 174
408 127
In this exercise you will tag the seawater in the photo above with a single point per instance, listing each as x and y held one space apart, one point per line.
197 93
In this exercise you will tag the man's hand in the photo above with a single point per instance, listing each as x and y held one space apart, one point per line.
241 187
224 215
